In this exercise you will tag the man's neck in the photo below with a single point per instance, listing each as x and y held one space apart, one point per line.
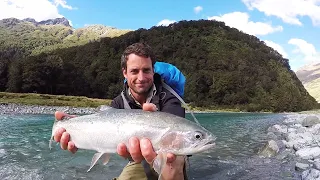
141 98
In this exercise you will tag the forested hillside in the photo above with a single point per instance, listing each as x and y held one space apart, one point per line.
224 68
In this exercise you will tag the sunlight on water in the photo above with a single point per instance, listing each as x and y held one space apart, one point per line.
25 154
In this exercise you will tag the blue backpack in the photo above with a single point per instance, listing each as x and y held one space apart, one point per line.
172 76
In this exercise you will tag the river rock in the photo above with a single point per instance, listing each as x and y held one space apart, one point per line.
308 153
282 129
316 164
271 135
310 174
310 121
301 166
269 149
300 140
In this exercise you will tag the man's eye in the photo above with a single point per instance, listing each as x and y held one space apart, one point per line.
134 71
147 71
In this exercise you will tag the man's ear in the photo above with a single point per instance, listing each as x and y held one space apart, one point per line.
124 72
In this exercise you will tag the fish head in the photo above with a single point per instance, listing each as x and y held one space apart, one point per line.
188 142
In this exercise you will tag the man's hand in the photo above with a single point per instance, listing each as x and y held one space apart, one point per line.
142 149
62 136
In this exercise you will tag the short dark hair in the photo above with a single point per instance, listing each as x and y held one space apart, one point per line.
140 49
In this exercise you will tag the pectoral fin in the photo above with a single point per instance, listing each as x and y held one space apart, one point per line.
95 159
105 158
159 162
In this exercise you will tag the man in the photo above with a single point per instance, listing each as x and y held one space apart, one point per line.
143 90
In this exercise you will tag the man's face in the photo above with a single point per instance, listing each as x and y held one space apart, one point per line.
139 74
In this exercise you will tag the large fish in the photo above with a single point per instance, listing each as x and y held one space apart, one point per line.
103 131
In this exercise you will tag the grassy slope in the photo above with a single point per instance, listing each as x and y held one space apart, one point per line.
313 87
51 100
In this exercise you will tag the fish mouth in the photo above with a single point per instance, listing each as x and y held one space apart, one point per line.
211 142
207 145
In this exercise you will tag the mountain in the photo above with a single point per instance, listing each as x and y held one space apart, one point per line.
36 37
224 67
310 77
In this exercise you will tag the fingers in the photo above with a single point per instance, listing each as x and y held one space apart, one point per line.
71 147
58 134
134 149
140 150
59 115
64 140
149 107
122 150
171 158
147 150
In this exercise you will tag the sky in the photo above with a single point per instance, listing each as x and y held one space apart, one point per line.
292 27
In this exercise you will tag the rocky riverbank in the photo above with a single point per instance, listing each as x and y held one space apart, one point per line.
36 109
296 139
11 108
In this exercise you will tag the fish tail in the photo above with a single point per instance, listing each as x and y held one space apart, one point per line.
50 142
52 134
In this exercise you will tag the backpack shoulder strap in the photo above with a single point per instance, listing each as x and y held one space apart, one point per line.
125 102
181 100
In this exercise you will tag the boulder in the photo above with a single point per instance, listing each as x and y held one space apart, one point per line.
269 149
316 164
308 153
310 121
301 166
310 174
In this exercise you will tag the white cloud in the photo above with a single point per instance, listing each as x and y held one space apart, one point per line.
165 22
241 21
197 9
307 50
277 47
63 4
288 10
37 9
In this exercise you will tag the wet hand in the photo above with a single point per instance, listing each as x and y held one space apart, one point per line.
142 149
62 136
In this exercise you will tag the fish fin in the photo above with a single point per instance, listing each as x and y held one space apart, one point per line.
102 108
159 162
106 158
50 143
187 162
95 159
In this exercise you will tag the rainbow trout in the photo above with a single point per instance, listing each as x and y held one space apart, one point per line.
103 131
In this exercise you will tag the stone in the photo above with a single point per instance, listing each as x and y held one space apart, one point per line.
308 153
316 164
278 129
310 121
269 149
301 166
310 174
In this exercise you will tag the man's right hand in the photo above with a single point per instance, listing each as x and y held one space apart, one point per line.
62 136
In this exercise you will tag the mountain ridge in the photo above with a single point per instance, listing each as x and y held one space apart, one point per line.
309 75
50 34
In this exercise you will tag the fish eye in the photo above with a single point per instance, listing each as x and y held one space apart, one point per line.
198 135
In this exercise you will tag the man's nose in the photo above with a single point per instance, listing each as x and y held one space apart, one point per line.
141 76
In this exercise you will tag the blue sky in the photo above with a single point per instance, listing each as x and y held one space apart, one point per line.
292 27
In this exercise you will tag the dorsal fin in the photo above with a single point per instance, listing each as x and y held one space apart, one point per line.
102 108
